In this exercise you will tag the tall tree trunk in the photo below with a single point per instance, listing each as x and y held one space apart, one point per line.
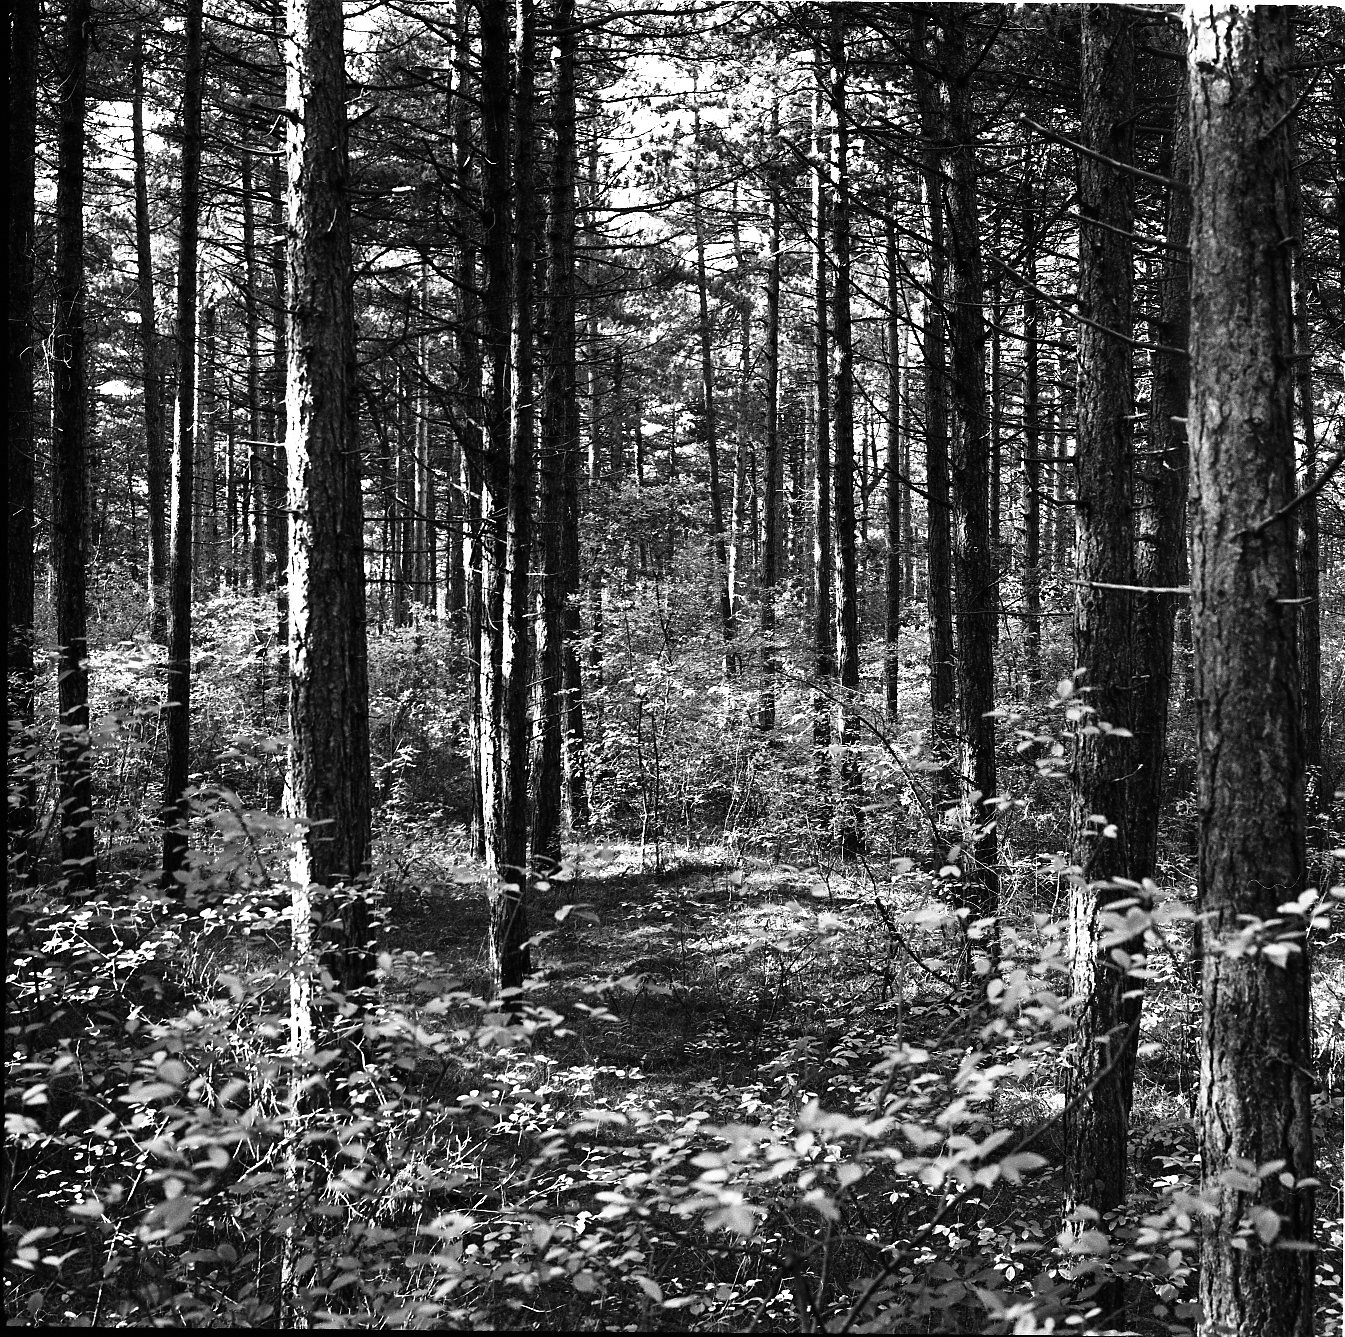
1031 440
973 569
1100 1076
1256 1053
938 562
707 368
177 700
895 469
21 451
70 461
205 541
849 812
328 787
558 456
156 469
772 481
1161 488
424 561
824 643
277 467
1320 787
252 335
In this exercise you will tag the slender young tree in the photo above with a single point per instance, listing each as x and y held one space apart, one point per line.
70 459
1032 436
21 452
177 700
1256 1049
328 789
849 812
156 467
1100 1077
773 473
895 469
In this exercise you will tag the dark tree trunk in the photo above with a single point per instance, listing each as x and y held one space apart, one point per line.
938 563
772 480
1099 1079
973 568
1161 488
558 451
177 701
277 467
70 460
849 812
328 785
21 451
895 469
1256 1082
156 469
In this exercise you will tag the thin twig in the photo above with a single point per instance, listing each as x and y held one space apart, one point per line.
1102 157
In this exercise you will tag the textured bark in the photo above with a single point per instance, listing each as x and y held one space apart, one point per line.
155 460
1031 442
20 462
895 469
973 561
70 459
205 542
707 368
328 785
772 479
1161 489
252 336
276 468
849 817
559 457
938 543
177 699
824 645
1100 1076
1255 1081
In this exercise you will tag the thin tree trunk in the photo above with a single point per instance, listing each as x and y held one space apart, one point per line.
1099 1079
70 461
1031 441
849 813
973 568
177 700
770 553
21 450
720 541
938 563
895 548
1256 1049
824 644
155 461
205 543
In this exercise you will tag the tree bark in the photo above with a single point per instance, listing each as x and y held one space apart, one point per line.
973 566
773 476
21 450
70 460
895 469
328 785
1031 441
155 460
177 700
1255 1084
849 815
1099 1079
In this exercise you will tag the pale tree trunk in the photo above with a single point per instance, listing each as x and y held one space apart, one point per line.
938 564
824 643
205 540
21 458
973 569
277 519
895 468
1256 1050
177 699
773 476
849 814
1031 440
720 541
70 460
252 334
1100 1076
155 462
